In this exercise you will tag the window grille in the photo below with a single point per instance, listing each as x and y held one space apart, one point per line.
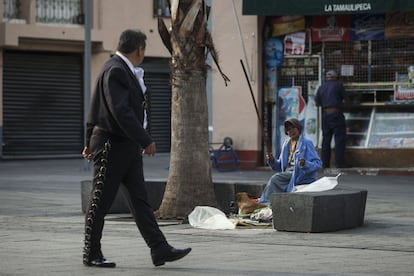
11 9
161 8
369 61
59 11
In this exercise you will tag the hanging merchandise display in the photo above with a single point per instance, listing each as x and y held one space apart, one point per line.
291 104
282 25
273 59
311 114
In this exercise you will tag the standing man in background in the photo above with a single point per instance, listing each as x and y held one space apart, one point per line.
330 97
115 141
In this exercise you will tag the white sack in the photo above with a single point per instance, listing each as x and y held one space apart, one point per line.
206 217
322 184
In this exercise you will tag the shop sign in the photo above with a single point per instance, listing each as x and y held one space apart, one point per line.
345 8
324 7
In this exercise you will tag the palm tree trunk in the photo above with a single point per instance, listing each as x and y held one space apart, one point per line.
189 182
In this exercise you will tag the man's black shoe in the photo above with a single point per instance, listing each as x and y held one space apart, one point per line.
168 254
101 262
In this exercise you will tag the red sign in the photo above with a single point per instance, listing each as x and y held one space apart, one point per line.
331 28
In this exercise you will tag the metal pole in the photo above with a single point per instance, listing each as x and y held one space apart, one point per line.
251 92
87 62
86 69
263 129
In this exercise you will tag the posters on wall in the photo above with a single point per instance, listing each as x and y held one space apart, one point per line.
295 43
399 25
282 25
345 27
368 27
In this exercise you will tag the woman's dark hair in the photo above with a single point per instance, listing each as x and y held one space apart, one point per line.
292 122
130 40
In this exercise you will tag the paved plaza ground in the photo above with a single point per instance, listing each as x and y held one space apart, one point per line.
41 230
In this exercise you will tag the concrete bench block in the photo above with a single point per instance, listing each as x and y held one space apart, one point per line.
319 211
225 193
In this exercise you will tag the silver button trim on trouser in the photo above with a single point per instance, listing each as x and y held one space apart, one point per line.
95 201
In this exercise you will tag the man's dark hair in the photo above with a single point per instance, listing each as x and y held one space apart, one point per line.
130 40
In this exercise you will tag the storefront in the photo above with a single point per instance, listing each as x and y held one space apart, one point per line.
370 44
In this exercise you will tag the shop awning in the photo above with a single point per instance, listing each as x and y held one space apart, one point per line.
323 7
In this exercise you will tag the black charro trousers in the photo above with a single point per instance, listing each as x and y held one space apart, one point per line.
118 161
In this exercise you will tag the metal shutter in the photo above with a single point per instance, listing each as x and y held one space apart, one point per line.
157 80
42 104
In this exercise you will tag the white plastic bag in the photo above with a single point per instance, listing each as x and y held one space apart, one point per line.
322 184
264 214
207 217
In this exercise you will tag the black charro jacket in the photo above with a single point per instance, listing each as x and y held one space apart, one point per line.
117 104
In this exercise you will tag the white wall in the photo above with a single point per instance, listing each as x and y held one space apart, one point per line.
234 114
116 16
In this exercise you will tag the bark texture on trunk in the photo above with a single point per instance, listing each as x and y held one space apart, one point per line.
189 182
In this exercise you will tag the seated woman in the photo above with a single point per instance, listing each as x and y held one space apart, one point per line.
298 163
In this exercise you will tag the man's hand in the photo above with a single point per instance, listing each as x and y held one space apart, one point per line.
86 154
150 149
